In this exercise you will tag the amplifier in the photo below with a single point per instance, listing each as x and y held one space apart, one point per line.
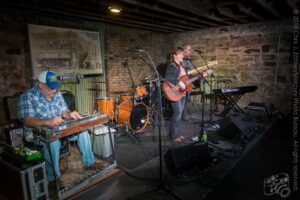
190 157
28 182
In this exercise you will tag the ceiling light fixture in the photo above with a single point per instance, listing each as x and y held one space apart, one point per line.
114 9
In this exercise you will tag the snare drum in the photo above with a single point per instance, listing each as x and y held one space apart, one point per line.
106 105
135 116
140 92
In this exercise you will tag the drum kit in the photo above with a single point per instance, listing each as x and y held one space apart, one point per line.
129 109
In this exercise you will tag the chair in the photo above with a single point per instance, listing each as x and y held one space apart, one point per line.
69 99
10 105
220 84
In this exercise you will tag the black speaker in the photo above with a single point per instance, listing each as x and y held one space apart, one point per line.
228 129
190 157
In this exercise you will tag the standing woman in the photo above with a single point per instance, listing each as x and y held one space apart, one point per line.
174 71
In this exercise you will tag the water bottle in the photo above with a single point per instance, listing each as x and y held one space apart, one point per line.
204 137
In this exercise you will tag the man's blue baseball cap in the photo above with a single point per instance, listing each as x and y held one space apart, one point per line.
49 78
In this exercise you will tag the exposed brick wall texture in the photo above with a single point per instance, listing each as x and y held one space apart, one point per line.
119 43
255 54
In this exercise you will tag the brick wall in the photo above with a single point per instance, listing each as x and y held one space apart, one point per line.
119 43
14 72
252 54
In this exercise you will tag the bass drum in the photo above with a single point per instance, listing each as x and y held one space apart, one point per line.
136 117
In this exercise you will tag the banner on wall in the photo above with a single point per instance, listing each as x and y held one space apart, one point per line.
64 50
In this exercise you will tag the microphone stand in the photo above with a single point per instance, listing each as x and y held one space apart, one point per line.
158 84
161 184
209 84
203 101
132 136
203 107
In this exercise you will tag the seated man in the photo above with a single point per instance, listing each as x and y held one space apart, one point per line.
44 105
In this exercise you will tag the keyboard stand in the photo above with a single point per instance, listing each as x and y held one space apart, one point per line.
232 96
232 100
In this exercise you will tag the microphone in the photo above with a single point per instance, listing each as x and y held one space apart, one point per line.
198 51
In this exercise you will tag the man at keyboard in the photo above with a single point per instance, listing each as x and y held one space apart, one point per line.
44 105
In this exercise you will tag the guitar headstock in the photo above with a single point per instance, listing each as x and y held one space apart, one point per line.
215 62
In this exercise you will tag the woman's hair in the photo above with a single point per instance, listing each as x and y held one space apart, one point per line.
174 52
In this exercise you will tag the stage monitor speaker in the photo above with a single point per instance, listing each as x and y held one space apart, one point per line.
190 157
228 129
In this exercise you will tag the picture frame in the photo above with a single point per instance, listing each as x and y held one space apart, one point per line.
65 50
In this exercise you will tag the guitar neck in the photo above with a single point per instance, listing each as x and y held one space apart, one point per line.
187 82
201 68
197 70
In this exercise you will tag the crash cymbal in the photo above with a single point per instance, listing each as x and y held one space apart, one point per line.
147 78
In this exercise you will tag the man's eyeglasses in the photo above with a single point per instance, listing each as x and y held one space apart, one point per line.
49 89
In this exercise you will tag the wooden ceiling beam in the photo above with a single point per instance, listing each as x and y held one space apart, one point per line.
268 8
249 12
227 12
164 11
111 20
83 12
292 4
166 18
196 12
129 18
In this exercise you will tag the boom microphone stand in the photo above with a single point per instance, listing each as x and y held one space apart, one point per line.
204 95
131 135
158 84
161 184
209 84
203 101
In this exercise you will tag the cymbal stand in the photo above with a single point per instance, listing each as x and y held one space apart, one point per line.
132 134
150 93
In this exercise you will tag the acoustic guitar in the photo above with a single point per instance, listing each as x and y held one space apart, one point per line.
174 92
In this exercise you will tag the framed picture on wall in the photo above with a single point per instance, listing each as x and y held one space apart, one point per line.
64 50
